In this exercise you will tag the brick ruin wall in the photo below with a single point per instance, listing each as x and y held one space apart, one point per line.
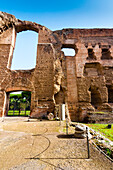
82 82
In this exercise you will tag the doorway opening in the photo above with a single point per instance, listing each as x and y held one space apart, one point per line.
95 97
18 103
106 54
110 94
91 55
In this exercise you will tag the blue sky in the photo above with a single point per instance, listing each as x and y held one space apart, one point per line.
61 13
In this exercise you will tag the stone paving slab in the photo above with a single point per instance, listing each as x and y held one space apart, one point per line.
40 145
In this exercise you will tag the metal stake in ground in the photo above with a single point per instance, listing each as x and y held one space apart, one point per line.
87 142
66 125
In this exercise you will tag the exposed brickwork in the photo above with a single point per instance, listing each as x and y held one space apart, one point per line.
82 81
71 86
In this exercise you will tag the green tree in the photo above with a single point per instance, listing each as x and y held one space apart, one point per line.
20 101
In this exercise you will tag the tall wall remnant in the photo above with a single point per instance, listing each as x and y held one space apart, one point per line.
81 81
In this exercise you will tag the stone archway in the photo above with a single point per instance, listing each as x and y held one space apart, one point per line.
17 81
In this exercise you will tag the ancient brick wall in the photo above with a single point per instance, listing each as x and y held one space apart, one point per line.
82 81
93 67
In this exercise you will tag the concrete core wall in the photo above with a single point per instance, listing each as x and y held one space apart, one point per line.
83 81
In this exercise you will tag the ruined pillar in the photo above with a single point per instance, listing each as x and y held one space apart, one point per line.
44 76
7 42
72 97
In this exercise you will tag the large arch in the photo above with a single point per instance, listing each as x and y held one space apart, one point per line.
27 25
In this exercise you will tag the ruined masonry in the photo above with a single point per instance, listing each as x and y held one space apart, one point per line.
83 82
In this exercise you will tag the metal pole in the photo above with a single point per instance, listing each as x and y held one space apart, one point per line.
60 122
60 114
87 143
66 125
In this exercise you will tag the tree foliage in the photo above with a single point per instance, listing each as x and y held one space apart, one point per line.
20 101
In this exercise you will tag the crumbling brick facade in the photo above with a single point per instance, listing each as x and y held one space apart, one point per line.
82 81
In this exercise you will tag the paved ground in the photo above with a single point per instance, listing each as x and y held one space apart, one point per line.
42 145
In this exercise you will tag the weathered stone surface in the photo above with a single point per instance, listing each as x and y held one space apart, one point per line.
99 117
82 81
80 132
105 107
6 21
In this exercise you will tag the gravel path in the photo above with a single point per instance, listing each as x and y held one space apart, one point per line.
43 146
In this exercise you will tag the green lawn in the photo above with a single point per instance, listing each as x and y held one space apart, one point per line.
16 113
102 128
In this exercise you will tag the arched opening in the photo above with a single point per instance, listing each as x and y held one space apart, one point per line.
106 54
18 103
95 97
91 55
69 49
93 69
110 94
25 52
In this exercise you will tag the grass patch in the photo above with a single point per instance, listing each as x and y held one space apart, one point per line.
100 112
16 113
102 128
